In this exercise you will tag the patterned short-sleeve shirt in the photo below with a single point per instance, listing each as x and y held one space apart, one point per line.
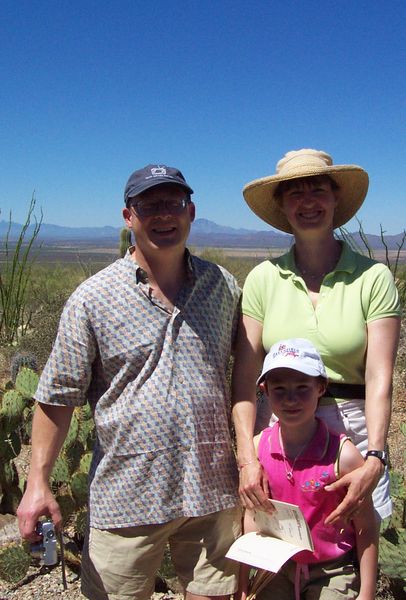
156 382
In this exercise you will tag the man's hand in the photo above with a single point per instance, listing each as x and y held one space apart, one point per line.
37 501
254 491
360 483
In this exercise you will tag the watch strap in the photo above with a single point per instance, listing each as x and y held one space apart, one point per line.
380 454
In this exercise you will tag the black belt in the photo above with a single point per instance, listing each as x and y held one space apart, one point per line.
346 391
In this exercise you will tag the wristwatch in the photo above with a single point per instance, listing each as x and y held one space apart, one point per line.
381 454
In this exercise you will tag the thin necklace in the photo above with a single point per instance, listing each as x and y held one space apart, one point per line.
322 274
332 264
289 469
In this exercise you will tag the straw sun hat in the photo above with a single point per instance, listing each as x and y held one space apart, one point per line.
352 184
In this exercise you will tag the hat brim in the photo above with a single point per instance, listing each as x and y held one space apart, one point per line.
306 369
153 182
352 182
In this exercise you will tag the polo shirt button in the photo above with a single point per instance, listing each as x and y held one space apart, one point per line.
180 379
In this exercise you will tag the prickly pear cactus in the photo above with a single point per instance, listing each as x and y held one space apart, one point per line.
61 473
26 382
67 506
85 462
81 523
72 434
392 554
10 446
12 406
87 432
78 485
74 454
8 474
26 427
14 562
392 542
22 359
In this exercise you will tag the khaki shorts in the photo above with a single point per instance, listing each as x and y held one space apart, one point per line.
119 564
332 580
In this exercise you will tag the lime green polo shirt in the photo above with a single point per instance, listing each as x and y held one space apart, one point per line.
359 291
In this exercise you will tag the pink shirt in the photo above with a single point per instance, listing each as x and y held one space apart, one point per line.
313 469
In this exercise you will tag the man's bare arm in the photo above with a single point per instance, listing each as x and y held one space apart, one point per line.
49 429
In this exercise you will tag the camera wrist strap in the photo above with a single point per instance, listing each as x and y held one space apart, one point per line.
61 546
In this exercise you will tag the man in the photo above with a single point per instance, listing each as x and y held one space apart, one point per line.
147 341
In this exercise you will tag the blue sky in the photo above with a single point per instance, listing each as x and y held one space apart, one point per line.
92 90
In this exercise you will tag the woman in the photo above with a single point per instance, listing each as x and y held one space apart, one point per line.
345 303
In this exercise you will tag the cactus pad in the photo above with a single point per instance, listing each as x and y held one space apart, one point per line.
78 486
85 461
13 405
392 554
61 471
27 382
14 562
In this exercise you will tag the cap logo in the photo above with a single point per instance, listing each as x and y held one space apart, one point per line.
156 171
286 351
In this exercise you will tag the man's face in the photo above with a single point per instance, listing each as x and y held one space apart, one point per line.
160 217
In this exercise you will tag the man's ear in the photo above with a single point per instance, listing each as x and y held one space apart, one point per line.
192 211
127 216
262 387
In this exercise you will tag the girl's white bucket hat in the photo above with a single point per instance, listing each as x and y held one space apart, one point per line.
352 184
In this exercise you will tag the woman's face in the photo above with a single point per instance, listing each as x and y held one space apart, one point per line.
309 205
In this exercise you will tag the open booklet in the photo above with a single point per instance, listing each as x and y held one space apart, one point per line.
281 534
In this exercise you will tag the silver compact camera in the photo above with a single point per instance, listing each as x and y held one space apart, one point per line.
46 548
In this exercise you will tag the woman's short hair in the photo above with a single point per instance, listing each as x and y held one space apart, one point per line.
290 184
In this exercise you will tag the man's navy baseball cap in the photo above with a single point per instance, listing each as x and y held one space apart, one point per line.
153 175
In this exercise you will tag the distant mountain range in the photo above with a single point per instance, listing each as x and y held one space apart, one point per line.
204 233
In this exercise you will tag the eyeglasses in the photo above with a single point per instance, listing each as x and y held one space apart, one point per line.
148 208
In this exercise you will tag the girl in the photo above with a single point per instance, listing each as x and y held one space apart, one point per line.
299 455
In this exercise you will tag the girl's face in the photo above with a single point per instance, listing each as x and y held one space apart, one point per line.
294 396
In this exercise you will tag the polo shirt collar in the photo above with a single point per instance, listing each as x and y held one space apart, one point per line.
286 263
316 448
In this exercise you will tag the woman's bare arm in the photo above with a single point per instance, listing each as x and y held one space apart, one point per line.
247 366
383 338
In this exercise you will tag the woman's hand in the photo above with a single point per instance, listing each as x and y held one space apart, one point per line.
253 489
360 483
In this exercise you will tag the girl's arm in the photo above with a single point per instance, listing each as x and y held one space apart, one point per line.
365 525
383 337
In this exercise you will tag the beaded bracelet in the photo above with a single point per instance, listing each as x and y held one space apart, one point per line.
249 462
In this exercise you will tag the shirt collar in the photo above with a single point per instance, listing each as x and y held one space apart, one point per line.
142 275
286 263
316 448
